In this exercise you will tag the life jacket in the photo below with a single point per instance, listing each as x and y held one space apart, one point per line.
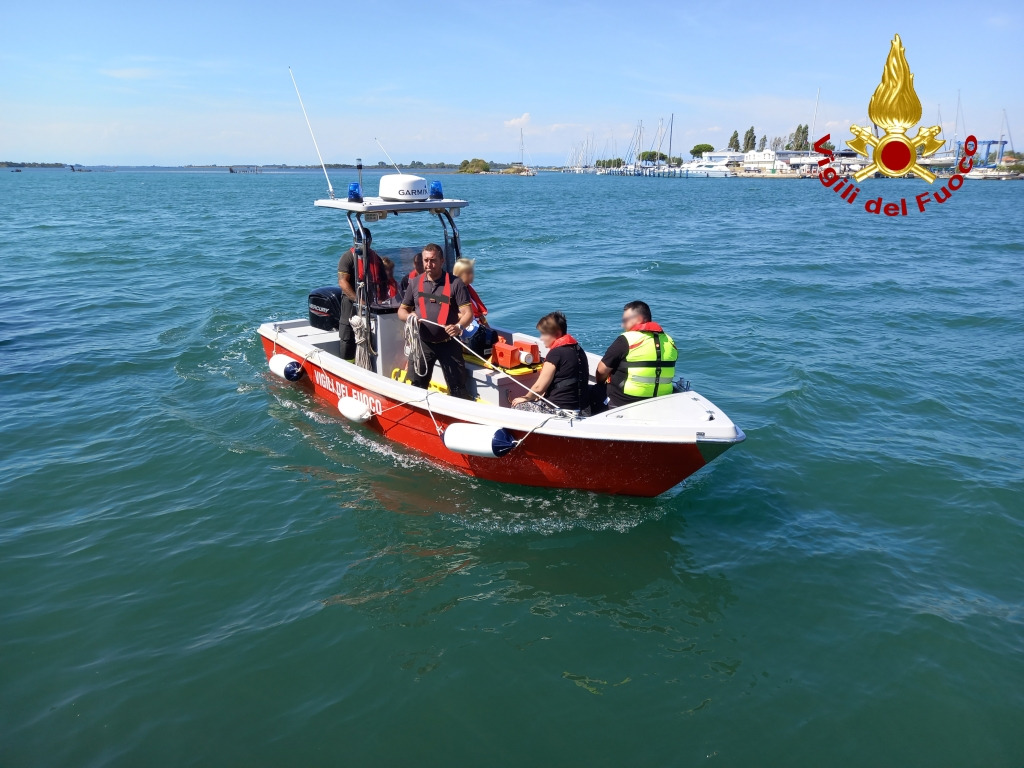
442 313
561 341
378 275
564 385
650 365
479 310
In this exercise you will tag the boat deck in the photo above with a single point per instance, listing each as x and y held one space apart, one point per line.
685 416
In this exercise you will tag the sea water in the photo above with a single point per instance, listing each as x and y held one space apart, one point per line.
201 565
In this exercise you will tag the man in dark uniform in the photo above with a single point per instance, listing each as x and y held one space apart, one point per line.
350 273
437 296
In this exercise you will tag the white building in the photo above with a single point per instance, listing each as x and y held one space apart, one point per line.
723 156
772 161
767 161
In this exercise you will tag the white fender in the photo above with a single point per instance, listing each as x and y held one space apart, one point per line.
354 410
478 440
287 368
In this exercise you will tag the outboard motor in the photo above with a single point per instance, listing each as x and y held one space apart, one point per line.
325 308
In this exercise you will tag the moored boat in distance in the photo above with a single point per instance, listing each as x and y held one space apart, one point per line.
642 449
994 174
705 169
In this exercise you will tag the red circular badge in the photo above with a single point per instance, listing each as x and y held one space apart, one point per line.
896 155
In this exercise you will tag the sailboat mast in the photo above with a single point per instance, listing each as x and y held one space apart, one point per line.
1009 134
671 120
999 156
814 121
956 121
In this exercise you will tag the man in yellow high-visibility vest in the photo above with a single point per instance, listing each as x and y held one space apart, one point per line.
641 362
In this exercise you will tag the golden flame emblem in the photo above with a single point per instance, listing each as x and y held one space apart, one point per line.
895 108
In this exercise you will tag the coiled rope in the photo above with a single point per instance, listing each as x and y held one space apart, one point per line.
414 346
361 331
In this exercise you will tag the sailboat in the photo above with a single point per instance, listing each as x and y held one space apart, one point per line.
521 168
996 171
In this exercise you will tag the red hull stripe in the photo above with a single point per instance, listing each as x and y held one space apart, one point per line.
612 466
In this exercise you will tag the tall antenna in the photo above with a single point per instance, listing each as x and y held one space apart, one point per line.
387 155
330 189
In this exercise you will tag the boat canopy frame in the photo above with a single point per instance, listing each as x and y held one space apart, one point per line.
452 243
376 209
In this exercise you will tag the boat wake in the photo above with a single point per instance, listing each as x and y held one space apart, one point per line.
477 505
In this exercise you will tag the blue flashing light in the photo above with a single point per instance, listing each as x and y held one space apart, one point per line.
355 192
436 193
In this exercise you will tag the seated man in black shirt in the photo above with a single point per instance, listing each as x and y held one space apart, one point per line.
443 300
641 362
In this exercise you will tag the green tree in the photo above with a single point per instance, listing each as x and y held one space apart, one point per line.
749 140
652 156
700 149
798 139
734 141
762 144
777 143
476 165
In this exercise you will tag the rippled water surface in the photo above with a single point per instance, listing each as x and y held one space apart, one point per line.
200 565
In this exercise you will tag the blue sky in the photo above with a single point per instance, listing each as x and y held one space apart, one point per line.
178 83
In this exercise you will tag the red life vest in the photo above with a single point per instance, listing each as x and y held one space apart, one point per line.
479 310
562 341
442 315
650 326
378 275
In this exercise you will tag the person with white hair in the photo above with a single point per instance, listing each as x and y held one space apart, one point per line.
478 336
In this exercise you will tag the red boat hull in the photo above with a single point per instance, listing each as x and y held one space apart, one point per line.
603 466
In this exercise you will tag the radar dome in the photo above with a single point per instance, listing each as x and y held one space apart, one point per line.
403 188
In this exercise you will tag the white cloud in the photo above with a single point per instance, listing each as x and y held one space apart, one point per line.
518 122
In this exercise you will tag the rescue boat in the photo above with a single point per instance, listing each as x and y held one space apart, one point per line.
640 449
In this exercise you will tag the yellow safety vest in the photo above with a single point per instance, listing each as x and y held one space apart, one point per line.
650 365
